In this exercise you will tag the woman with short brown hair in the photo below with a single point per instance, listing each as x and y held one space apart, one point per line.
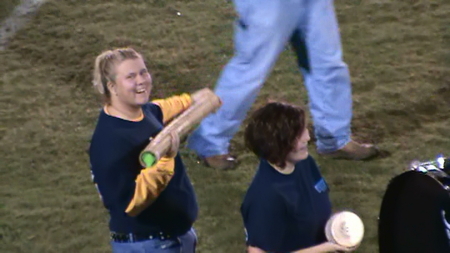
287 205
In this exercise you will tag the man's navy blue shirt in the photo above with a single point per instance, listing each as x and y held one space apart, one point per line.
283 213
114 155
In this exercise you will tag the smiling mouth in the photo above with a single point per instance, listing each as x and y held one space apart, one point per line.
140 91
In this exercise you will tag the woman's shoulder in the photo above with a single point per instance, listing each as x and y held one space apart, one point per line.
263 174
263 184
105 126
153 110
106 136
308 163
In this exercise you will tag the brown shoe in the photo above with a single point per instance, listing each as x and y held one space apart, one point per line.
354 151
221 162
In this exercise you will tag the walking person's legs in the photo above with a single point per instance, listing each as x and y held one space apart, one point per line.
327 79
261 34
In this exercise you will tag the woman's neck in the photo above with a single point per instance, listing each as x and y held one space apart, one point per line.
132 114
286 170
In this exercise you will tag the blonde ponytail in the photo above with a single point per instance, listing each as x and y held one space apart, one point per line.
104 68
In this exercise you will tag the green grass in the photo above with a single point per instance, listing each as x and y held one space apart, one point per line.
399 58
6 7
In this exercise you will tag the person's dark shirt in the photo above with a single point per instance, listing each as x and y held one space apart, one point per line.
114 155
283 213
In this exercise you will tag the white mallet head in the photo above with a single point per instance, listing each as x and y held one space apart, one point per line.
345 228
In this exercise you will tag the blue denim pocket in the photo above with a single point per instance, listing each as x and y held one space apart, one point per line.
153 245
167 244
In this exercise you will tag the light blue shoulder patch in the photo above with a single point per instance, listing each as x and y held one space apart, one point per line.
321 186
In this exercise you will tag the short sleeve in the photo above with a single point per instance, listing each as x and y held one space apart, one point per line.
263 217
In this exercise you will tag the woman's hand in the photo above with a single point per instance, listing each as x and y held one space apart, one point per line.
321 248
252 249
333 247
174 144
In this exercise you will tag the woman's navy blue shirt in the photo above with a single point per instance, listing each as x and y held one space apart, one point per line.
114 155
283 213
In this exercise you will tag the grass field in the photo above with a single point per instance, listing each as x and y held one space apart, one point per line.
399 57
6 7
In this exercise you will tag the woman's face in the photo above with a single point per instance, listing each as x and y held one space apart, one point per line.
300 150
133 83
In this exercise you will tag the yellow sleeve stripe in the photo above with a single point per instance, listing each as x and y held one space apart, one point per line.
173 106
149 185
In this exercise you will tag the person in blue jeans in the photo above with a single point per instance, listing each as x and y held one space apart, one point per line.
287 205
262 30
152 208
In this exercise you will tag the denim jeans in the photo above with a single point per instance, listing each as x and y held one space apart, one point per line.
262 31
182 244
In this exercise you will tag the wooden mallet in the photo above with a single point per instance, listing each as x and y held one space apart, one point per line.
204 102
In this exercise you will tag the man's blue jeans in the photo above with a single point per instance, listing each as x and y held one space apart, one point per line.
262 31
183 244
